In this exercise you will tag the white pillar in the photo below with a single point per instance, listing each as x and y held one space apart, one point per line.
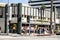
10 13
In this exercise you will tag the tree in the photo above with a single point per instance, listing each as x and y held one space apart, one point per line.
42 10
51 28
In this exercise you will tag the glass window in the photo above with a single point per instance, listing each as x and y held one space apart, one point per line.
24 16
14 11
14 15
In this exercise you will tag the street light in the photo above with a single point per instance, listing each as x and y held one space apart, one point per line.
8 1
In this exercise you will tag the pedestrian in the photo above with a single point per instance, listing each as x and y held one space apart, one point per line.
24 29
36 29
39 30
43 30
14 28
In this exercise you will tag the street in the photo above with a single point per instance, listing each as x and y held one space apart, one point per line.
53 37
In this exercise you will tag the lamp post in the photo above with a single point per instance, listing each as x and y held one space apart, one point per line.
8 1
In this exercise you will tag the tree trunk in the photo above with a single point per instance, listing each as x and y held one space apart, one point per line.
51 17
43 13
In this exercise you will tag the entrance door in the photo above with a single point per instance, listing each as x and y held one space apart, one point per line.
13 28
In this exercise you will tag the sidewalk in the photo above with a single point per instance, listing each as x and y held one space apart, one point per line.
35 34
30 38
32 34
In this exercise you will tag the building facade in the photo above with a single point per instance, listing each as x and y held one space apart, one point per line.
31 16
47 3
2 15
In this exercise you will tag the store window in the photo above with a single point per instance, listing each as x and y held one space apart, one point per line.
14 15
14 11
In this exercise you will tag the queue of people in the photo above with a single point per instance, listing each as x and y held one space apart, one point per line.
39 30
27 29
42 30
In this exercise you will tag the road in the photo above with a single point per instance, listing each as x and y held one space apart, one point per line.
14 37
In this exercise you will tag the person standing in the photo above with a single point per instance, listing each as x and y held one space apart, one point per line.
39 30
14 28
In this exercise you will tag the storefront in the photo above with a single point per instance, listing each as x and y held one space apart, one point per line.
32 28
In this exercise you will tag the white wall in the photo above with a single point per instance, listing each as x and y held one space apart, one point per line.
2 24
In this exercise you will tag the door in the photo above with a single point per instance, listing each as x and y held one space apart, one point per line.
13 28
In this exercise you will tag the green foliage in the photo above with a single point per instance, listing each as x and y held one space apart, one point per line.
43 6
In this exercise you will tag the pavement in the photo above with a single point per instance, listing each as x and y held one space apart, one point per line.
31 37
